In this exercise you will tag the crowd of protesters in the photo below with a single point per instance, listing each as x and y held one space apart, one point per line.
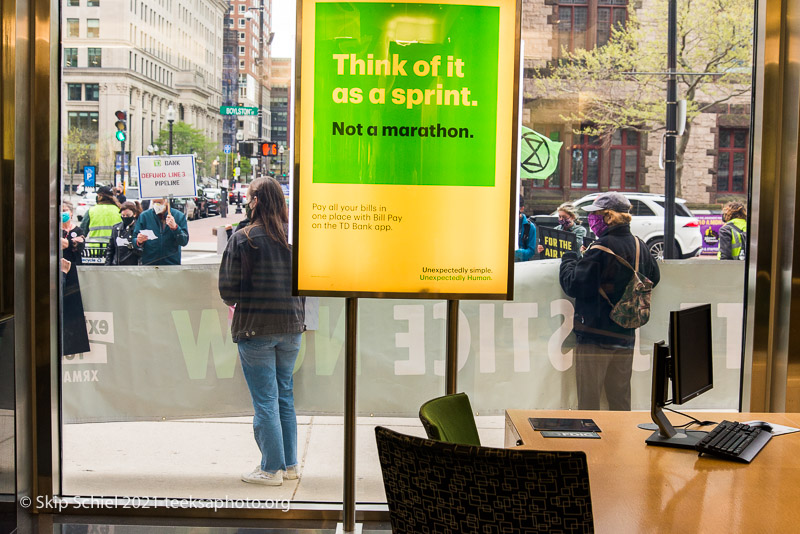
120 232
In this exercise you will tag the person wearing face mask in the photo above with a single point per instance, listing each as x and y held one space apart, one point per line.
568 222
604 349
75 339
255 276
121 198
169 229
121 248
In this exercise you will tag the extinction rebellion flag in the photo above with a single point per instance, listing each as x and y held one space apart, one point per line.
538 155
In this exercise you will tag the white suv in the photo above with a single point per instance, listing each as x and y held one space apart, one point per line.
647 210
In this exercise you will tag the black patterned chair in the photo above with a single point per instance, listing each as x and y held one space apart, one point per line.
434 487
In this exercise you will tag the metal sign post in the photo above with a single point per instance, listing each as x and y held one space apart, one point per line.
349 498
451 362
670 163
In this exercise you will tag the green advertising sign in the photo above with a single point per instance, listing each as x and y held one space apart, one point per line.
405 94
238 111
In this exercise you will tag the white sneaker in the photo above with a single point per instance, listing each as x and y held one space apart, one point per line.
257 476
292 473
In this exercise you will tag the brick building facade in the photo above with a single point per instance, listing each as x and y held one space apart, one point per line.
716 159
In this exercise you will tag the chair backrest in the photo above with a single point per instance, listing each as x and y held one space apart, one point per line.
437 487
450 419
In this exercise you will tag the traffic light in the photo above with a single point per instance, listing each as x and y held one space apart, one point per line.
122 125
246 149
269 149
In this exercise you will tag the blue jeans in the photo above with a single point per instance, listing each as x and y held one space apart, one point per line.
268 362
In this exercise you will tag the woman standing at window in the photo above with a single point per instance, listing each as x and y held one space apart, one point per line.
256 277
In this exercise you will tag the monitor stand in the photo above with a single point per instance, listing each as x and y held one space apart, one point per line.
669 436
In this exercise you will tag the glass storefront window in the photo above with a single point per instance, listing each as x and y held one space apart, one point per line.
195 59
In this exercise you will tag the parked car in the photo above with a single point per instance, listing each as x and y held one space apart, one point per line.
213 198
238 192
83 205
185 206
648 223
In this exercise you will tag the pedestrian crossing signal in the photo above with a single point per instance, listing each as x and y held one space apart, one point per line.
269 149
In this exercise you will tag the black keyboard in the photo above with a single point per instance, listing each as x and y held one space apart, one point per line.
734 441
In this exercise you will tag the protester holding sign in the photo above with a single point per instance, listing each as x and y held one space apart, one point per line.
160 232
555 243
597 282
568 221
256 276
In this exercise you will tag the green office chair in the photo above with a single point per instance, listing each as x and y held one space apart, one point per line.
450 419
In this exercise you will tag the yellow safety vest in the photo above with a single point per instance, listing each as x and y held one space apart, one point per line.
738 231
102 218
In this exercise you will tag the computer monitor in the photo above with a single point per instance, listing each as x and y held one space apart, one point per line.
687 363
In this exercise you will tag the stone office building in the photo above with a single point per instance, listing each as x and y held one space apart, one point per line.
137 57
252 50
280 99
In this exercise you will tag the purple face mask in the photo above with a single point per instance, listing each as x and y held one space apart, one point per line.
597 224
565 222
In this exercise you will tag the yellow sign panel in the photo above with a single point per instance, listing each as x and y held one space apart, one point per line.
406 143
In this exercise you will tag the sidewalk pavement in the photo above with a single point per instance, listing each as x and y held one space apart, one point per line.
205 458
201 231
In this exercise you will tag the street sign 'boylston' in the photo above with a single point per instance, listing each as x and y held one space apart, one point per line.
238 111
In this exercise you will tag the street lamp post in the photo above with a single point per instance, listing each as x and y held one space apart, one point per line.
170 120
215 165
281 150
